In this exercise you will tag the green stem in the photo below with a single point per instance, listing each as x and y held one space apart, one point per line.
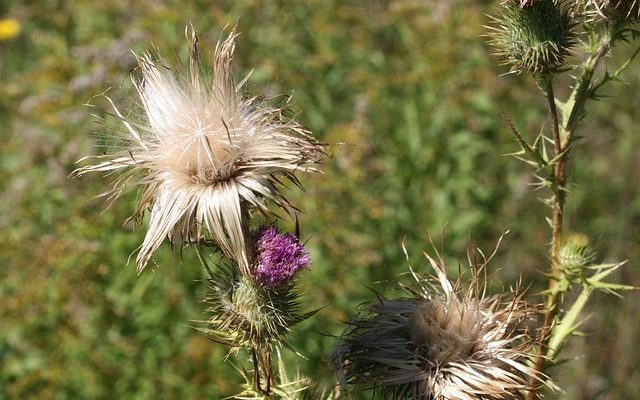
581 92
559 182
203 260
553 111
566 326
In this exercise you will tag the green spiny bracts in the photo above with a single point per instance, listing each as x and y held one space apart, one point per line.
242 313
534 38
575 253
288 386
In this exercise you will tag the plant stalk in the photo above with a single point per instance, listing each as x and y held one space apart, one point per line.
262 361
562 140
559 182
203 260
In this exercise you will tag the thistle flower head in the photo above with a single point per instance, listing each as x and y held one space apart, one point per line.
244 314
444 342
205 155
278 257
533 36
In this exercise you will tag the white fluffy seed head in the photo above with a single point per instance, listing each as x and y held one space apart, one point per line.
205 155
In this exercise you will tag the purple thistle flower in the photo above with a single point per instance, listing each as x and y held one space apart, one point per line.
279 256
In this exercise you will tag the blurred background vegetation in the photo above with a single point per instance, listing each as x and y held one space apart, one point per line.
411 89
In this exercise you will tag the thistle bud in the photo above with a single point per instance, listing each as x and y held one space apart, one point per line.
243 313
575 253
533 36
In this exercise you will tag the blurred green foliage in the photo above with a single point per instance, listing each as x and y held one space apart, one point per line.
411 90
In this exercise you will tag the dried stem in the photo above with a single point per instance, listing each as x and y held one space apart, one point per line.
268 370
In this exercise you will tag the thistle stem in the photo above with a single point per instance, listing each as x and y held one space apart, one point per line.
262 361
256 370
569 320
553 111
268 370
559 182
203 260
562 140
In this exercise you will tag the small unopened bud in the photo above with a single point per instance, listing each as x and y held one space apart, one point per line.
575 253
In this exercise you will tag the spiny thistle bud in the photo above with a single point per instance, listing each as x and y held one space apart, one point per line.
575 253
278 257
244 314
444 342
204 155
533 36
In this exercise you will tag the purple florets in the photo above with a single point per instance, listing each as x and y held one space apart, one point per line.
279 257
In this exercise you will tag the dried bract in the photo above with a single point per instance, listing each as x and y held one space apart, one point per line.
627 9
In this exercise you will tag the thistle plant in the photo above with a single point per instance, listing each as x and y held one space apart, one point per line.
443 341
211 164
256 313
550 40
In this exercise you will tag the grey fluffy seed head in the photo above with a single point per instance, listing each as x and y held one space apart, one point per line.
447 341
204 155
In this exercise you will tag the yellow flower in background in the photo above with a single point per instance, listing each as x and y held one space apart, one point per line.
9 28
